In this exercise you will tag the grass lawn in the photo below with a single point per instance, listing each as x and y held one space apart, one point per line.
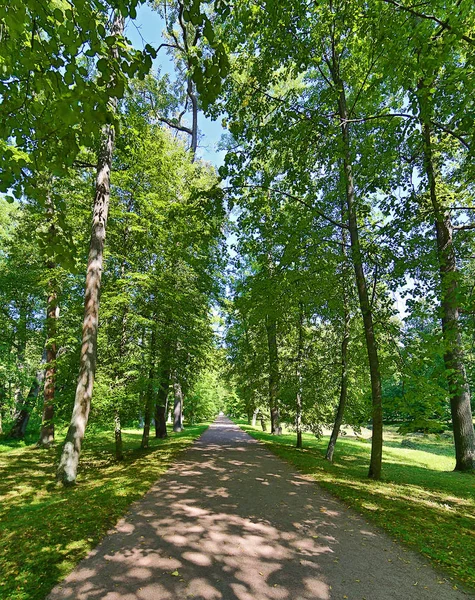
45 529
419 501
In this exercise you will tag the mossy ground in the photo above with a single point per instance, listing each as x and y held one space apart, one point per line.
46 529
420 501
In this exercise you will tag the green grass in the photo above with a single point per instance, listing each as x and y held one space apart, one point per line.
420 501
46 529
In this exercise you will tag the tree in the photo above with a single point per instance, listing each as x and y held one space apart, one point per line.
67 470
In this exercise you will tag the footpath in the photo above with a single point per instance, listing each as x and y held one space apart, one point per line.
230 521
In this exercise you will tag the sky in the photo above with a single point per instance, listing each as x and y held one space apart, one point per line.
147 28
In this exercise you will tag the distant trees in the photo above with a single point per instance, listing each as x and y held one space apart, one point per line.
349 177
324 98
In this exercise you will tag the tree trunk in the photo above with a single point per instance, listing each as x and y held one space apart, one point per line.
357 259
67 470
345 340
194 119
150 396
178 406
298 399
263 423
271 328
20 335
119 454
52 313
459 391
343 386
161 422
161 405
22 417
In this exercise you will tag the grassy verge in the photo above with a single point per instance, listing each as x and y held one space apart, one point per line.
45 529
419 501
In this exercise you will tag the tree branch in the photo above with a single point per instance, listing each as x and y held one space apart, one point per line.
443 24
297 199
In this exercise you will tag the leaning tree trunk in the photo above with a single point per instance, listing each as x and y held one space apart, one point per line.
345 340
271 329
67 470
459 391
298 398
343 386
357 259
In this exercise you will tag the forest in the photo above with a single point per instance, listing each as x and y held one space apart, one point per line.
315 285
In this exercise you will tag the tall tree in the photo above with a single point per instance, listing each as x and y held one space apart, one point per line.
67 470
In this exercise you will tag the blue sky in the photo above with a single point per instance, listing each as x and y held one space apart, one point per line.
147 28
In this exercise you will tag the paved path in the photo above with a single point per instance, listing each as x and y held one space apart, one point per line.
230 521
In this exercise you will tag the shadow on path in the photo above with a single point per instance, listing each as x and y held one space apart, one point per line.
230 521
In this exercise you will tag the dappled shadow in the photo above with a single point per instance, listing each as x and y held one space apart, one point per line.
45 529
232 522
420 505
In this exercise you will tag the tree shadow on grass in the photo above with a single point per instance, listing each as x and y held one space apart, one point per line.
45 529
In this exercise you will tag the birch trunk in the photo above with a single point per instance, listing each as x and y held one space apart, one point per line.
119 453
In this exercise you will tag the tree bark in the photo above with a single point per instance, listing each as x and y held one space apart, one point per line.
161 404
271 329
178 406
67 470
161 422
119 453
357 259
194 119
459 391
345 340
343 386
